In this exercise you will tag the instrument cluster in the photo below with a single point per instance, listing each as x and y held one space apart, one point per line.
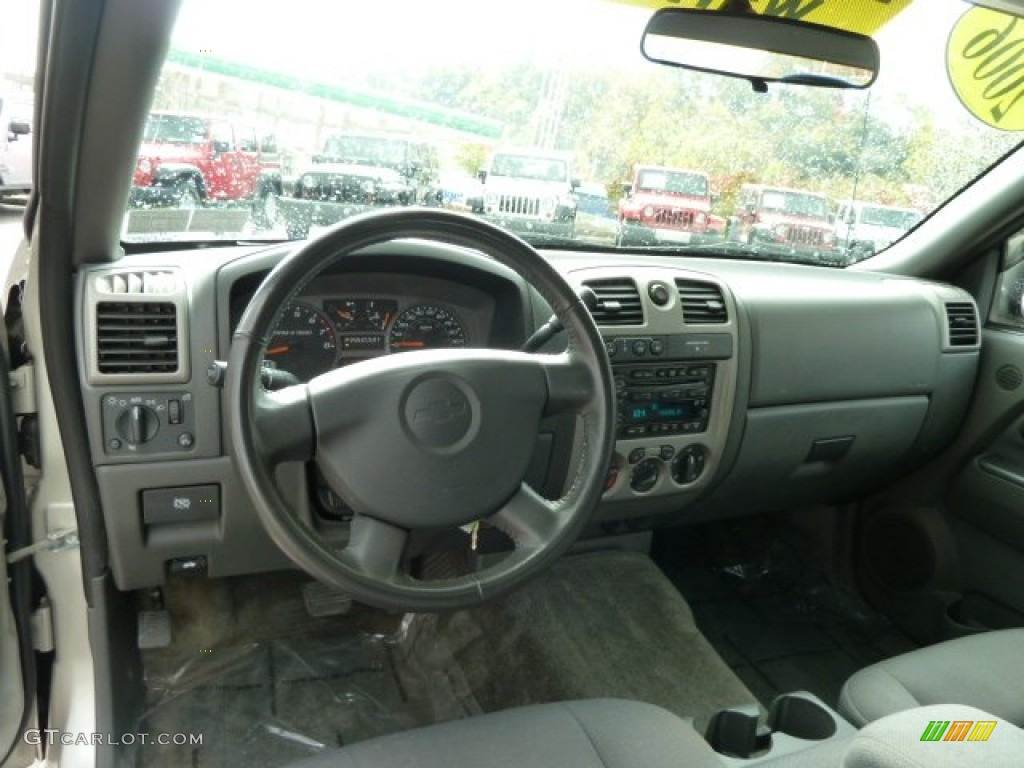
311 337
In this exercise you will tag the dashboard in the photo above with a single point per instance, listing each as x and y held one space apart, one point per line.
741 387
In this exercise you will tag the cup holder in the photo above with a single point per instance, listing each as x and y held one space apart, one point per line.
801 718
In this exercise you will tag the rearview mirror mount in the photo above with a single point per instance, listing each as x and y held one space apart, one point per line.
761 49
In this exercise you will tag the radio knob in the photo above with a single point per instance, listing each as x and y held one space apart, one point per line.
645 475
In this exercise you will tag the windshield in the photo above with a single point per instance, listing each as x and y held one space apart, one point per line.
175 129
520 127
796 203
890 217
672 183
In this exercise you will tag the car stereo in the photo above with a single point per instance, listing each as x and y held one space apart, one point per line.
664 398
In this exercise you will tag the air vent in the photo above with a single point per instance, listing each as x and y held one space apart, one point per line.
148 283
136 337
963 324
702 302
619 301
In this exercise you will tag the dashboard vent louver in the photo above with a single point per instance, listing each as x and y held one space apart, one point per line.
136 337
702 302
963 324
147 283
619 301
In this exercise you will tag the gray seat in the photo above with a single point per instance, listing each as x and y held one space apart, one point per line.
984 671
599 733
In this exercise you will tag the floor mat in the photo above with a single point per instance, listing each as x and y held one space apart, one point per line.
776 621
599 624
266 685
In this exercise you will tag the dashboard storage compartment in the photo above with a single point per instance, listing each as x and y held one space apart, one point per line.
793 454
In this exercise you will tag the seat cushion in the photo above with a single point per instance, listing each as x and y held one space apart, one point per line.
984 671
599 733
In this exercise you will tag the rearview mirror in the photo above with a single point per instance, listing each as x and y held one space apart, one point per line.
761 49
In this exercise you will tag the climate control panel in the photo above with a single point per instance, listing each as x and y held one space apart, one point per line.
148 422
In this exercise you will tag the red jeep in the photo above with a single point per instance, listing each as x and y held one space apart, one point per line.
784 222
665 205
187 160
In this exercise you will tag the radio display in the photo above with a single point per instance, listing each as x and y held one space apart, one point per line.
643 413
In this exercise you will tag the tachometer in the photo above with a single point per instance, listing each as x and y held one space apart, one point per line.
426 326
303 342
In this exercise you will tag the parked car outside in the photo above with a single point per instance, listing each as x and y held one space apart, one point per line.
864 228
780 221
665 205
529 190
15 146
191 160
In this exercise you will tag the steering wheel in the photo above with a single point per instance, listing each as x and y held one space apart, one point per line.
422 440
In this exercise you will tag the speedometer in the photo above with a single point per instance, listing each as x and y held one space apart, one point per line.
303 342
426 326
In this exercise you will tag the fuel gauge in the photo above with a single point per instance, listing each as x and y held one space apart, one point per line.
378 313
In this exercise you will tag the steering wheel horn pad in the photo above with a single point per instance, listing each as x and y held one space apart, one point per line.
421 440
429 439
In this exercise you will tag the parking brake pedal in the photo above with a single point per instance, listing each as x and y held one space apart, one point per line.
322 600
154 629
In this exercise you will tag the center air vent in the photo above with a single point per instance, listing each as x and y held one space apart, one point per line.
963 324
619 301
702 302
136 337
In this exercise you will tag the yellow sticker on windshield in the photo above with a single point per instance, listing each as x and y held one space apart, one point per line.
985 61
865 18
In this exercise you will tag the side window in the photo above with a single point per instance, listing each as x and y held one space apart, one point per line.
222 136
268 143
247 140
1008 306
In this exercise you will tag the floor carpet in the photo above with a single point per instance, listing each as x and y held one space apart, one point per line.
265 684
777 622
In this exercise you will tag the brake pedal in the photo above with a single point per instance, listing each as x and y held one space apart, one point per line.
322 600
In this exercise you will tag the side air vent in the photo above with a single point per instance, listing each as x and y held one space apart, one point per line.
702 302
147 283
136 337
619 301
962 323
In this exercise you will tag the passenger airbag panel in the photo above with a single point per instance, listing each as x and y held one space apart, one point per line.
829 349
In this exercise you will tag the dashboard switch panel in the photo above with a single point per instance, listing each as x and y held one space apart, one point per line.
148 422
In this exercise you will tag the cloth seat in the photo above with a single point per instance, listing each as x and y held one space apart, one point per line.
597 733
983 671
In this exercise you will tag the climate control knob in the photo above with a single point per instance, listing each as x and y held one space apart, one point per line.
645 475
138 424
688 466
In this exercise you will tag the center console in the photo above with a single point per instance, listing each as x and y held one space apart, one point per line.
671 337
